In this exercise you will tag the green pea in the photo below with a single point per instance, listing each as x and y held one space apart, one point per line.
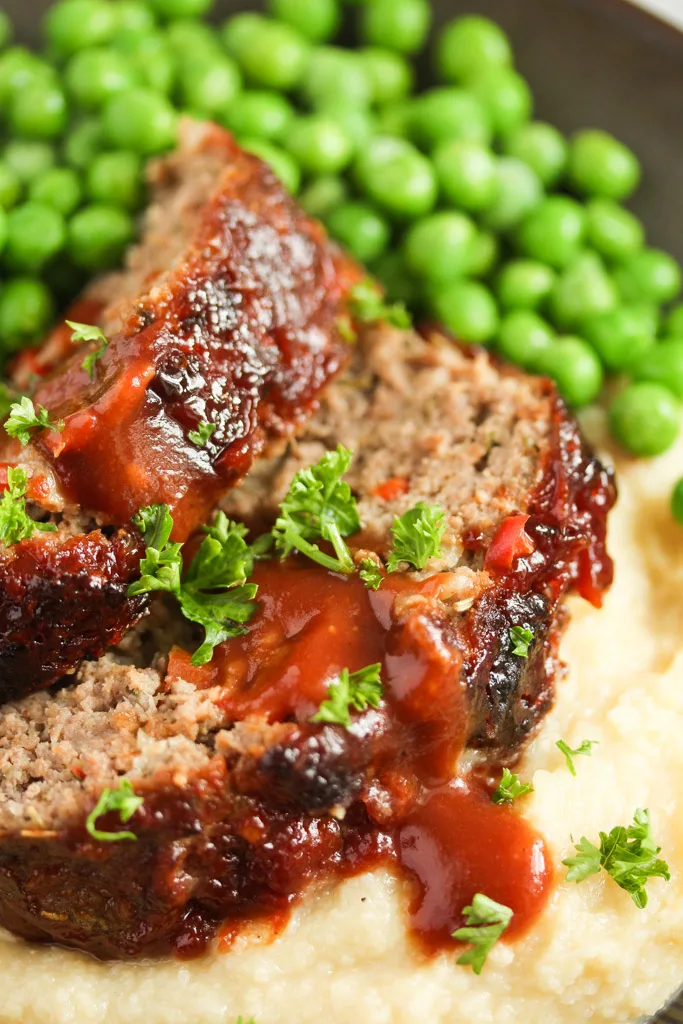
358 123
361 229
141 120
10 186
542 147
280 162
524 284
72 25
439 247
467 173
28 158
116 179
599 165
26 310
260 113
649 276
400 282
620 336
189 39
238 31
483 255
674 323
519 192
677 502
397 177
524 338
470 45
318 20
38 111
133 17
20 68
35 232
390 74
449 113
323 195
575 368
274 56
319 145
467 309
395 119
506 98
645 418
83 143
59 187
662 364
153 62
583 290
553 233
613 231
6 29
401 25
98 236
209 85
171 9
334 76
93 76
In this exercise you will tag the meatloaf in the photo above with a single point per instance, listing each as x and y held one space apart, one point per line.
226 316
248 803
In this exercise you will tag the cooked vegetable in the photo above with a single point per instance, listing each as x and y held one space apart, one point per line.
645 418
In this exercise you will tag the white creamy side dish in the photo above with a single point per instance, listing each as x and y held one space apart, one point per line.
346 958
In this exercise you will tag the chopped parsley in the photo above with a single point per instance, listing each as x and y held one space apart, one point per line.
510 788
628 854
417 536
88 332
213 591
202 434
25 417
370 574
486 921
122 800
358 690
319 505
15 522
521 638
368 305
586 747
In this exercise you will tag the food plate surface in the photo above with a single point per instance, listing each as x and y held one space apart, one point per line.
590 63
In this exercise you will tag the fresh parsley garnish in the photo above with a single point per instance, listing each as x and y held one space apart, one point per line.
628 854
346 329
319 505
417 536
122 800
486 921
213 591
15 522
521 638
586 747
370 574
510 788
358 690
25 417
202 434
88 332
368 305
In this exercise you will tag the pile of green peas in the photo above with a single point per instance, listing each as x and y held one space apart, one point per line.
462 204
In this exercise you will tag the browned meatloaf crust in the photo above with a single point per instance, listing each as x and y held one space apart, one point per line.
226 315
242 810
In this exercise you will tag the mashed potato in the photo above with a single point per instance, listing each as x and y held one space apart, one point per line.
345 957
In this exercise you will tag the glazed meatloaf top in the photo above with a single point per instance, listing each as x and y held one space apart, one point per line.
247 801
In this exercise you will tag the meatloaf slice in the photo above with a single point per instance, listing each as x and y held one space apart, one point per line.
226 315
247 802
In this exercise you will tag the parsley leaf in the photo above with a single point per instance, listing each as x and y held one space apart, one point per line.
15 522
358 690
122 800
319 505
367 304
87 332
521 638
370 574
417 536
569 754
628 854
202 434
486 921
510 788
213 591
24 418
